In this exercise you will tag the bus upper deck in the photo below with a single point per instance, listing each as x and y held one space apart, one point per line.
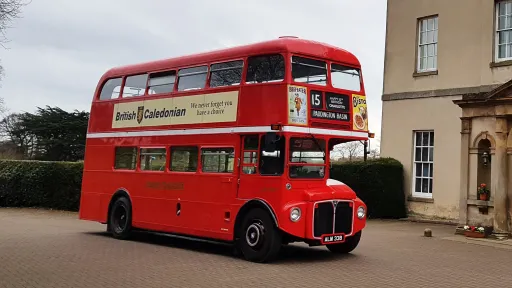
299 84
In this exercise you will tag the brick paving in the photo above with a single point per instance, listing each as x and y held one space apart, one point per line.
54 249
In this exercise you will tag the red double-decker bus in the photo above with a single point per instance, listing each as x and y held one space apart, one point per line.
231 145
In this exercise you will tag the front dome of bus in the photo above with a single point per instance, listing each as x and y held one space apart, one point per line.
333 189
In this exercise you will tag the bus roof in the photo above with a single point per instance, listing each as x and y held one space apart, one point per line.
283 44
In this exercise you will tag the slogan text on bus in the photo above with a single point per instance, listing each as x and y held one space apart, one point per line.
218 107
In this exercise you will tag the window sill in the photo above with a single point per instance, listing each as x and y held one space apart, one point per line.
423 74
480 203
420 199
500 63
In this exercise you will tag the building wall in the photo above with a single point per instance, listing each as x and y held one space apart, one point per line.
465 45
399 119
417 101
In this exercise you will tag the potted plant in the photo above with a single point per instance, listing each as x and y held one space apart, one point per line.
483 192
474 231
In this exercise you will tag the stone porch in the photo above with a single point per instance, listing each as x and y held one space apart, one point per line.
486 157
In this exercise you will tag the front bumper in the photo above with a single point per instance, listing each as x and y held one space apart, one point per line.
332 217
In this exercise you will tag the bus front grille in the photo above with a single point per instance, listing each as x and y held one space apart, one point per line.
344 215
326 221
323 219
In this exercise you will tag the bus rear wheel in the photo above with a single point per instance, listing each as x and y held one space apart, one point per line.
120 218
346 247
259 240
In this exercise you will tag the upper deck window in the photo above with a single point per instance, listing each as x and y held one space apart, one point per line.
309 71
135 85
162 82
192 78
226 74
344 77
111 89
268 68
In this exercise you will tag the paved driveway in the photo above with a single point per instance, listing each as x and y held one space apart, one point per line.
54 249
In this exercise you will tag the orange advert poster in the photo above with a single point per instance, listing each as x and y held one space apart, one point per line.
360 113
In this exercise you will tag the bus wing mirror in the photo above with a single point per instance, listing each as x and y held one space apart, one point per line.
270 142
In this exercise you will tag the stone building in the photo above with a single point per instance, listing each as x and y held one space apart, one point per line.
447 107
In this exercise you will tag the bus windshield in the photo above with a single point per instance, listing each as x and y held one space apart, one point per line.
307 158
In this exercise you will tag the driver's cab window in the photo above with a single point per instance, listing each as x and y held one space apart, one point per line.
272 163
250 156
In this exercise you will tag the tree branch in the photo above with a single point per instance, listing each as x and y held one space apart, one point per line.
9 10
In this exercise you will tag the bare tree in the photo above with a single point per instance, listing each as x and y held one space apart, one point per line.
3 108
350 150
9 10
374 153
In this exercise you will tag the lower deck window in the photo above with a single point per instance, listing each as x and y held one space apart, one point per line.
217 160
307 158
272 163
184 158
125 158
152 159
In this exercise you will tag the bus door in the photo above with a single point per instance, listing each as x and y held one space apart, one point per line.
216 189
260 170
248 177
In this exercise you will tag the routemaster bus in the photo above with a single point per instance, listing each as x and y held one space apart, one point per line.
231 145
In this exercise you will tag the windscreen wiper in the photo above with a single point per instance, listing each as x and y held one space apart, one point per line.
317 144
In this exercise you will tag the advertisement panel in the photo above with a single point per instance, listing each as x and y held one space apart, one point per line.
360 113
297 105
196 109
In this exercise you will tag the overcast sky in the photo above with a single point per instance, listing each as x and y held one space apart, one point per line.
59 48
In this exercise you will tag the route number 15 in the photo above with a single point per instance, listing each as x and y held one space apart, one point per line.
316 99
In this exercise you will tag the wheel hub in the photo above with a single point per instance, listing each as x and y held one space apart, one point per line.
120 218
254 234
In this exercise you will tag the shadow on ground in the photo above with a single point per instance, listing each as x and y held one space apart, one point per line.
289 253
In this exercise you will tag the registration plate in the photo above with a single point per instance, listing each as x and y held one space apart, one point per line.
328 239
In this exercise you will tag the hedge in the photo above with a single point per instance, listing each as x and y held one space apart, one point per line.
378 182
51 185
56 185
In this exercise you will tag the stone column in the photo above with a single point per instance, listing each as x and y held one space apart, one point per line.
499 177
509 194
465 133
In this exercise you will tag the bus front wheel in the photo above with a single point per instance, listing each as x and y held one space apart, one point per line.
120 218
346 247
259 240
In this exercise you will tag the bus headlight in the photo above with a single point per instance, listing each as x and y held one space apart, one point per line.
295 214
360 212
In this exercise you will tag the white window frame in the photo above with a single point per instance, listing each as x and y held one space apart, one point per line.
497 31
429 161
435 39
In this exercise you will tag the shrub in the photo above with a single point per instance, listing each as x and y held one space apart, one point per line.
53 185
379 183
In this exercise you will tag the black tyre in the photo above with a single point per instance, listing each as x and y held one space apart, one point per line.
258 238
346 247
120 219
